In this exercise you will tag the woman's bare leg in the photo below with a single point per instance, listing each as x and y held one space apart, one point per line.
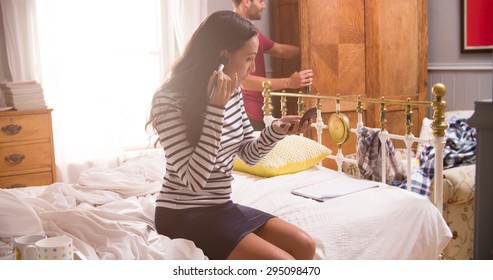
289 238
253 247
275 240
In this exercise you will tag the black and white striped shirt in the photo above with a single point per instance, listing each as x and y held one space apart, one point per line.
200 175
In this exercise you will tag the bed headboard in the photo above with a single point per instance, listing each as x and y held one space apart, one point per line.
338 127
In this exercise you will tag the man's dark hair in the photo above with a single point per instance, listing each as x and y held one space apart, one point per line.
236 2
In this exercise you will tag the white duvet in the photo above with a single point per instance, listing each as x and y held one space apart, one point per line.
110 214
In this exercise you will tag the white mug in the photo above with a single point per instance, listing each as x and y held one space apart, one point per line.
21 243
53 248
7 248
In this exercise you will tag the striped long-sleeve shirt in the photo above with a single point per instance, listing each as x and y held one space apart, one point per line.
200 175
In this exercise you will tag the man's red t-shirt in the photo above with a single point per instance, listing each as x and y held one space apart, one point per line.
253 99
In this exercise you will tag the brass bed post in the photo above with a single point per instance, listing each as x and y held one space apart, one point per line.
438 126
284 107
267 108
383 115
408 140
360 124
319 124
383 136
301 105
409 119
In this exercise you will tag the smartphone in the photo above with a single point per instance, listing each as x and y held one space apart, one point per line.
311 114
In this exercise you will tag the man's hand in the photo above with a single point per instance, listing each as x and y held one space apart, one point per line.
301 79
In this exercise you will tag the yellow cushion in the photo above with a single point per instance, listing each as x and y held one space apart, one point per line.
292 154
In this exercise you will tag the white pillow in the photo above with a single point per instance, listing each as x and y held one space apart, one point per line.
17 218
466 114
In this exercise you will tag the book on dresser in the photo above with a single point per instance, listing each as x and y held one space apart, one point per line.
26 148
25 95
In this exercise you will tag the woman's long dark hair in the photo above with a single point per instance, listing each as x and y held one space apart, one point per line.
222 30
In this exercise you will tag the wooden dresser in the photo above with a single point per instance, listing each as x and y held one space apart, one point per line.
26 149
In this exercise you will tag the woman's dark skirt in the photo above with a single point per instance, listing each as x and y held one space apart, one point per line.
216 229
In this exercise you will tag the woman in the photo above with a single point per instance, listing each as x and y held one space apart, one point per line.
201 129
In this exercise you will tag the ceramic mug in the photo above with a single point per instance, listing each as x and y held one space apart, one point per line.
21 243
7 248
54 248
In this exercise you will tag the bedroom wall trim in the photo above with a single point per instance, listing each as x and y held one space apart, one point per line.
460 66
464 86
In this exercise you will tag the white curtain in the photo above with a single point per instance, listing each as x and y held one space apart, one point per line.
180 19
101 61
19 21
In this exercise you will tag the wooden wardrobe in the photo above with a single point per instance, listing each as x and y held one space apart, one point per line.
372 48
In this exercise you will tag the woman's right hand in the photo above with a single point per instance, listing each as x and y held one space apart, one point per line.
224 88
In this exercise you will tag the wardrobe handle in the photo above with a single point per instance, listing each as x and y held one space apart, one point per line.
15 159
12 129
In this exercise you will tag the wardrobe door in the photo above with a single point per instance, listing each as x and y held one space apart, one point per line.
332 34
397 57
368 48
286 28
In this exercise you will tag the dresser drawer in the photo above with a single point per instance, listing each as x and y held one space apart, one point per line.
33 179
24 127
35 157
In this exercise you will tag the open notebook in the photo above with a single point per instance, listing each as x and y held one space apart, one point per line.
334 187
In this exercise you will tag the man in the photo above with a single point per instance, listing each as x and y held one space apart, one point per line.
252 85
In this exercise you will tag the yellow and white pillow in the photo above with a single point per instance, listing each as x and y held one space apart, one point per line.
290 155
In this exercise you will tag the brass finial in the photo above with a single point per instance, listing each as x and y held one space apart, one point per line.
267 108
439 125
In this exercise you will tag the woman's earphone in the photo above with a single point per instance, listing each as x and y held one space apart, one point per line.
222 62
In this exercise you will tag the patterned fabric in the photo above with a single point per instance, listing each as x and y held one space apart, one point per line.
369 156
460 149
458 212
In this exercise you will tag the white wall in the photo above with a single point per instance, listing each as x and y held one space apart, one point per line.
467 76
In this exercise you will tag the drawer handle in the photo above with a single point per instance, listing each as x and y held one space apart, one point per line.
16 186
14 159
12 129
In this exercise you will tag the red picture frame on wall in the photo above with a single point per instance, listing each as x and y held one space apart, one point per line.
477 26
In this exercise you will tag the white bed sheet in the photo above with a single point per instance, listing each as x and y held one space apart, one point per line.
110 214
377 223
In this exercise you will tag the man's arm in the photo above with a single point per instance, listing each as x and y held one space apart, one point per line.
284 51
300 79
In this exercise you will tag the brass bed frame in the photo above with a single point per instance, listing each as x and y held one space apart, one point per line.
339 128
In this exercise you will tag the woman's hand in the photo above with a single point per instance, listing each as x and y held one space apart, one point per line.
223 89
289 125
